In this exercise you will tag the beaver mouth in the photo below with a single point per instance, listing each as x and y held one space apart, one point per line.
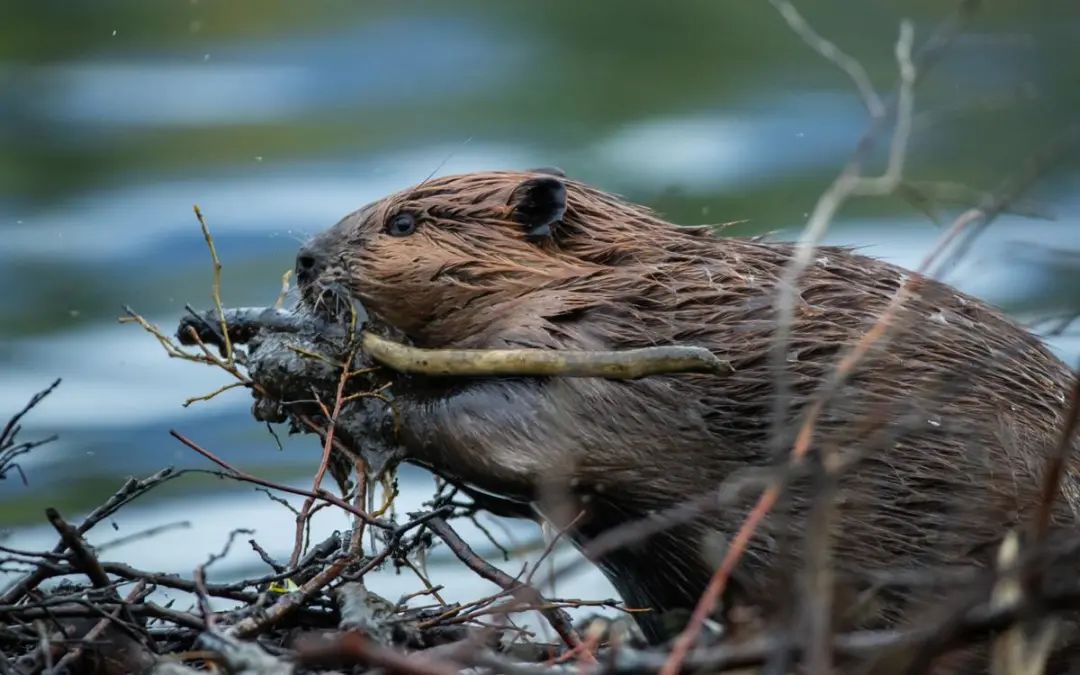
331 301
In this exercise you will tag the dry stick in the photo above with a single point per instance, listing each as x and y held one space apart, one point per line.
429 588
83 558
231 591
10 450
998 200
237 474
12 426
220 390
850 182
143 534
253 625
216 294
328 446
470 612
584 649
831 52
638 530
228 591
131 490
625 364
148 609
557 618
280 302
550 547
359 500
1055 469
621 364
201 594
818 576
207 357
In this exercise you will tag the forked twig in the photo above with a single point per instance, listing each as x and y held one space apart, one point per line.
216 294
874 105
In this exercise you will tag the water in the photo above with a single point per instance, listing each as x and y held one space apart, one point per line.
117 117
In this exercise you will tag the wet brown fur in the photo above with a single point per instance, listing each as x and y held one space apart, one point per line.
950 421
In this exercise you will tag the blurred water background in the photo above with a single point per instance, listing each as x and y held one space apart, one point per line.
277 118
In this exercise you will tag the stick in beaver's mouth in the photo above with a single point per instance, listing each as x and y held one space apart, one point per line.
296 360
245 323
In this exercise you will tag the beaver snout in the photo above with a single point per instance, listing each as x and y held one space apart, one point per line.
310 263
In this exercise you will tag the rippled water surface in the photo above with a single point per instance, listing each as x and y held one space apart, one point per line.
277 119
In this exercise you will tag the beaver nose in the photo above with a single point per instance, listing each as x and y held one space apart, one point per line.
309 263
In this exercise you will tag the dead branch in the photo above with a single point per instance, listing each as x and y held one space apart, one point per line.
244 323
1057 462
248 478
10 448
131 490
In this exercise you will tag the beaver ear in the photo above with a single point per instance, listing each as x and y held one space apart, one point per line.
537 204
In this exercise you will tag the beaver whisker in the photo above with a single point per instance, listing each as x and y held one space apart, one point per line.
333 303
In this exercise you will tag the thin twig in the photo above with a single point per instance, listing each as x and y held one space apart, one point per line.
216 293
248 478
849 182
1057 463
328 447
557 618
199 576
83 557
831 52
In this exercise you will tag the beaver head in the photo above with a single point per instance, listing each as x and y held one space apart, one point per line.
449 262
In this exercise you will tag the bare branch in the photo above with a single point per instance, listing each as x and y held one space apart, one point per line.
832 53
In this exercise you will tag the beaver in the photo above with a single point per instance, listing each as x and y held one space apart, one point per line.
943 431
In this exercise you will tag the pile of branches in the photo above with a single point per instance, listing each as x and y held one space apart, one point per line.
312 612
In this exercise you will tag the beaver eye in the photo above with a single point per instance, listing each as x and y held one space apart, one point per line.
401 225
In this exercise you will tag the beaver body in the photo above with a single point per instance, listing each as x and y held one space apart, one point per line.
943 430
